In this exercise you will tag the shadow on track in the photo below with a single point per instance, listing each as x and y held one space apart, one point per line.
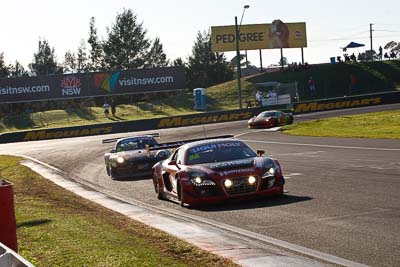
254 203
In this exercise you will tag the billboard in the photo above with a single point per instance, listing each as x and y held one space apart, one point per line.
81 85
259 36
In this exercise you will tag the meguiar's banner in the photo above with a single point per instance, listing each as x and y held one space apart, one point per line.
259 36
81 85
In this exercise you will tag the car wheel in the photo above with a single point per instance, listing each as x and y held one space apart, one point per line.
290 120
276 122
112 174
181 196
157 187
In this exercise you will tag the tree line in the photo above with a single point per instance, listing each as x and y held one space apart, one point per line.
126 46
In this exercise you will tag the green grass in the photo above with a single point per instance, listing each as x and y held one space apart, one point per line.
384 124
58 228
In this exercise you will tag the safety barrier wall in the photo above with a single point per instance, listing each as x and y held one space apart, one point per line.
199 118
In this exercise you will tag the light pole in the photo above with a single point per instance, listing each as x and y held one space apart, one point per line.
238 68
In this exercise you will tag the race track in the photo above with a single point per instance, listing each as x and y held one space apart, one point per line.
343 195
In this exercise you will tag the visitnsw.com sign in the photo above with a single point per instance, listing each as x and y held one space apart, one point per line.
91 84
259 36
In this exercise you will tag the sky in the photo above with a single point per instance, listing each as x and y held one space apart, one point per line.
330 24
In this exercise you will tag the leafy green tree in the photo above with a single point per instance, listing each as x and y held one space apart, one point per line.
205 67
126 46
4 69
81 58
44 61
96 55
178 62
156 57
18 70
393 47
69 62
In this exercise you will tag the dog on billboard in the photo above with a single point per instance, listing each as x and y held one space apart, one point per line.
278 34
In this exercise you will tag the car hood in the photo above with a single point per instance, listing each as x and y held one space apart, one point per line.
255 119
140 153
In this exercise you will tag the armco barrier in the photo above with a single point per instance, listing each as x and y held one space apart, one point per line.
8 229
9 257
199 118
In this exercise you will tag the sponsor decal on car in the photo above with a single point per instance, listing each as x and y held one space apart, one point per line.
316 106
215 146
181 121
235 171
43 135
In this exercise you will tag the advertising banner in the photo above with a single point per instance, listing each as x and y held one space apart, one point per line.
259 36
26 89
138 81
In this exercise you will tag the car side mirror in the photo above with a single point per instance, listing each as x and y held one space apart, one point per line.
260 152
112 151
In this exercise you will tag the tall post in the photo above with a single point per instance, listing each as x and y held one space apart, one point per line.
238 69
261 67
302 56
281 58
370 37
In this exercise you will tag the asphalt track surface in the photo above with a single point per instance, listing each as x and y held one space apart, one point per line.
343 194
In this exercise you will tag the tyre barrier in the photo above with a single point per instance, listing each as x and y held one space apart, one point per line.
8 227
8 257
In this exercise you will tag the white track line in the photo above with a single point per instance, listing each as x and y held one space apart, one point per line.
316 145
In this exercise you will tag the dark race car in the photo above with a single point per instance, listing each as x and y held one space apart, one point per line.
129 158
269 119
216 170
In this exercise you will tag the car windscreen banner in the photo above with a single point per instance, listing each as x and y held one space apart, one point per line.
81 85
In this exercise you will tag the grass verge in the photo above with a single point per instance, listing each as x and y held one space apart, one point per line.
57 228
383 124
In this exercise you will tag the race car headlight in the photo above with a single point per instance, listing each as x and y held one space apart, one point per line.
120 160
199 180
270 172
228 183
252 180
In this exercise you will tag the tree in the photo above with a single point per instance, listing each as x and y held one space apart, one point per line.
44 61
4 70
127 45
393 47
178 63
96 56
69 62
81 58
205 67
156 57
18 70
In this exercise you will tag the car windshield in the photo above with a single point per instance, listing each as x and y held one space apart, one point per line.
218 152
135 143
266 114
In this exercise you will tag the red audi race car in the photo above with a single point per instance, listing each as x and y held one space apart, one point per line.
128 159
271 118
216 170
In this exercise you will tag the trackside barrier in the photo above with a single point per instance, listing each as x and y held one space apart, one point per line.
8 257
8 228
200 118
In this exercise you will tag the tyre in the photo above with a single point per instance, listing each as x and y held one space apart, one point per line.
157 187
181 195
112 175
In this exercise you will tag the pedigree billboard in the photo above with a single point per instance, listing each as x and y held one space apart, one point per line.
259 36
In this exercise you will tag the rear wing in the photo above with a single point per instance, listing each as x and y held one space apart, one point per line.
111 140
180 143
